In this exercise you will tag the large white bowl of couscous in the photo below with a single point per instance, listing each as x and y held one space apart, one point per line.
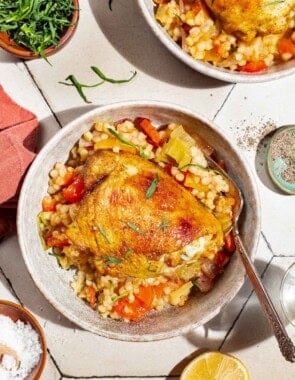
234 41
127 237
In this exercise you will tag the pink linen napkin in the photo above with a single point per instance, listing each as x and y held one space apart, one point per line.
18 137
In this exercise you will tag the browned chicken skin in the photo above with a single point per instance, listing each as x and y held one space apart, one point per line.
115 215
247 18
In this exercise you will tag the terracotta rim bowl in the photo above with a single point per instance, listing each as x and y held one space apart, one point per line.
8 44
278 71
54 282
17 312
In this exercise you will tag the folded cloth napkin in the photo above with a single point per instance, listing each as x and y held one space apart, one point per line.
18 137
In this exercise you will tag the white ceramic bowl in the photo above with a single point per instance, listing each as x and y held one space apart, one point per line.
278 71
54 282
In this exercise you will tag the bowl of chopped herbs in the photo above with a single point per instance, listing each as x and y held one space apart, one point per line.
37 28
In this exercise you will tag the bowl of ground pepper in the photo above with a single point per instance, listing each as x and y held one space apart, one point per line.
281 158
37 29
23 348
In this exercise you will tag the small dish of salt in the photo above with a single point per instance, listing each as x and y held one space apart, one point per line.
22 344
281 158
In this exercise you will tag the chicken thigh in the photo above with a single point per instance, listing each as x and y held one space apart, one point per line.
247 18
132 204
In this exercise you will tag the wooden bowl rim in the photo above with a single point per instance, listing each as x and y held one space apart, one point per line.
23 52
36 325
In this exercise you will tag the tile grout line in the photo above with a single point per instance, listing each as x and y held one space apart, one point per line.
266 268
55 363
267 243
286 256
243 307
225 100
11 288
42 94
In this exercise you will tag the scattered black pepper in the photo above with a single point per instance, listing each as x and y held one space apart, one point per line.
250 136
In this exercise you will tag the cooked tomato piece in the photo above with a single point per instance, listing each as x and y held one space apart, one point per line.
229 243
286 46
53 241
253 66
75 191
221 259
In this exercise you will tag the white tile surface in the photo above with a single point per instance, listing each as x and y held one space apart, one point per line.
251 339
251 107
118 42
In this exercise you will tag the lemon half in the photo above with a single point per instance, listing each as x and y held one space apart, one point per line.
215 366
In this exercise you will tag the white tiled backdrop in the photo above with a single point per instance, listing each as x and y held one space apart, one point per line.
118 42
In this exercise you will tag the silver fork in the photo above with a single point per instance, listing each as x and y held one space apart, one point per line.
285 344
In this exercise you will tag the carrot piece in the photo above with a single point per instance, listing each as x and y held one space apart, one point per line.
286 45
92 293
146 295
253 67
159 290
48 204
131 311
149 130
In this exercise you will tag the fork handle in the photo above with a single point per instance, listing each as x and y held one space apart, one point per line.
286 346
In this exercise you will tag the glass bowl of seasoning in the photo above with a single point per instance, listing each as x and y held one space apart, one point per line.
30 30
287 294
281 158
22 343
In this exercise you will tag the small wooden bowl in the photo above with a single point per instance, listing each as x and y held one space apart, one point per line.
9 45
17 312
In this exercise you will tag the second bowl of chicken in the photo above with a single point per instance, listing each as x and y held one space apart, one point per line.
236 41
